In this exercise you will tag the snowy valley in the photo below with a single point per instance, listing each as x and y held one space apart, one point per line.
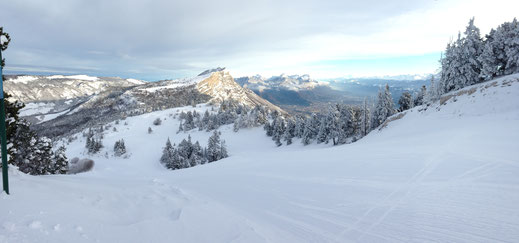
444 172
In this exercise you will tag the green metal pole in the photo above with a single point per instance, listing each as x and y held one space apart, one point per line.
3 131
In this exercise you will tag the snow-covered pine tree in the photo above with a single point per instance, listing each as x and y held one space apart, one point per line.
214 148
42 162
236 125
119 148
383 108
168 154
300 127
188 121
418 100
60 161
471 48
180 127
500 54
405 101
512 47
289 131
354 122
185 150
268 129
323 133
366 118
278 130
449 70
223 150
493 57
197 157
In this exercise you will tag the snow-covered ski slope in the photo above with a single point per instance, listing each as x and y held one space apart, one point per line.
449 173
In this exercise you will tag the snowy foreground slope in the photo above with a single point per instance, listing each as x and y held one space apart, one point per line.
445 174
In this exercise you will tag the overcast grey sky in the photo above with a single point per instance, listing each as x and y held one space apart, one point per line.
168 39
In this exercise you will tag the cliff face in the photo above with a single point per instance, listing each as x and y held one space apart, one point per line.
221 86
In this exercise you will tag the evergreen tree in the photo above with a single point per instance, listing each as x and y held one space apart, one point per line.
500 55
471 49
119 148
60 161
42 162
236 125
289 131
197 157
311 129
323 132
418 100
214 148
462 65
299 127
365 118
278 130
180 127
434 92
185 150
449 70
512 46
405 101
383 108
354 122
168 154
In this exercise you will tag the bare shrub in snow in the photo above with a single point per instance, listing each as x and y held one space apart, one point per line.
77 165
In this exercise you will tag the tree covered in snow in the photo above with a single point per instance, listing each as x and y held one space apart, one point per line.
406 101
471 59
500 55
168 156
383 107
229 112
419 98
434 91
188 154
278 130
119 148
216 150
94 142
60 161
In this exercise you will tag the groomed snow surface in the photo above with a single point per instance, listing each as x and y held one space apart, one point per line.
445 174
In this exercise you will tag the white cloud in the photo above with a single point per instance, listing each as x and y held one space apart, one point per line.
162 39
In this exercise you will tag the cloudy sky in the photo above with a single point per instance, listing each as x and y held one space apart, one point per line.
162 39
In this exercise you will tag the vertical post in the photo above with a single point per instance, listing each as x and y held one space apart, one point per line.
3 131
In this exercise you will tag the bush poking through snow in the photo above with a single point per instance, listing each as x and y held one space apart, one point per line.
157 122
77 165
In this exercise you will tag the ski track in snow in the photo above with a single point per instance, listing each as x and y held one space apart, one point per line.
432 176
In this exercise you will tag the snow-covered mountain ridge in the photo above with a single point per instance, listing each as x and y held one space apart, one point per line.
446 172
31 88
283 81
115 99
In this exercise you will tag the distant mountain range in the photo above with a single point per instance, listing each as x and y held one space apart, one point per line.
301 93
